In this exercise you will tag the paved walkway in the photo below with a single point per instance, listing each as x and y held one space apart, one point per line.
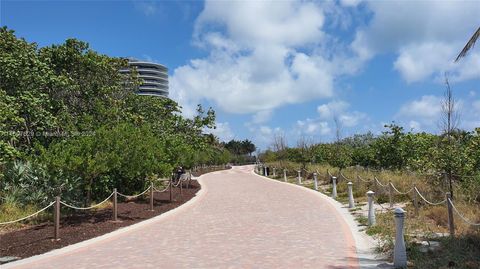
239 220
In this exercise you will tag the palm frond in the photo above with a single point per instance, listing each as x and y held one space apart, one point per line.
469 44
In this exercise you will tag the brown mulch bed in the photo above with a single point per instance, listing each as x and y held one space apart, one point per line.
83 225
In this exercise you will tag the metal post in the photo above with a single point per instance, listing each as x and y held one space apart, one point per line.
334 187
315 181
274 172
285 175
451 224
299 177
265 173
56 219
151 196
115 206
371 210
390 193
415 199
399 251
351 202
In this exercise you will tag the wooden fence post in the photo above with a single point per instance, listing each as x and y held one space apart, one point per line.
115 206
56 219
151 196
451 224
390 193
415 199
181 188
171 186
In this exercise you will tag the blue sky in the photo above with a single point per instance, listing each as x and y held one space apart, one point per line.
284 67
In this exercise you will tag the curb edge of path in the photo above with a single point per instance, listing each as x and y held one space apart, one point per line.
363 243
40 258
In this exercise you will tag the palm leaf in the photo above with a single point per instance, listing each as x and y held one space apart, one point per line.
469 44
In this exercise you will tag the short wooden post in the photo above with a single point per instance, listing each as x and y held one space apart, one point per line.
371 209
299 177
115 206
390 193
315 181
171 187
451 224
334 187
56 219
358 181
285 175
151 196
415 199
351 202
274 172
399 251
181 187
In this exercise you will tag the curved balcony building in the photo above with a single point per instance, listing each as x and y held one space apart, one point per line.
154 76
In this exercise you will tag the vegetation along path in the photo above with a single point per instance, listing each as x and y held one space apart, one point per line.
237 220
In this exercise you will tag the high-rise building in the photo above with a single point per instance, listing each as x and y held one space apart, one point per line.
154 76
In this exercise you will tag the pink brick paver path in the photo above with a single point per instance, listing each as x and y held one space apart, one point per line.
241 221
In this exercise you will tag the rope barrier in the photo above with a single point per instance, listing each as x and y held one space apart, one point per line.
380 183
403 193
426 201
157 190
29 216
87 208
347 179
462 217
364 180
133 196
375 199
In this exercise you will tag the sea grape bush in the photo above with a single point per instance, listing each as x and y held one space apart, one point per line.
69 114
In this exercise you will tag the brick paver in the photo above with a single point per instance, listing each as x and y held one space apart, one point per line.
241 221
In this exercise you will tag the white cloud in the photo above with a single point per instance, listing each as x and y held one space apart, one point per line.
424 114
339 109
313 127
262 116
223 131
261 55
426 36
425 110
414 126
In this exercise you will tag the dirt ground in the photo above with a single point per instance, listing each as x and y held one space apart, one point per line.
83 225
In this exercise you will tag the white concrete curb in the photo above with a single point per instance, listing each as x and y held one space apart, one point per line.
112 235
364 244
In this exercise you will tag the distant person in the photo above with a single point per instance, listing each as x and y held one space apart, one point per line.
180 172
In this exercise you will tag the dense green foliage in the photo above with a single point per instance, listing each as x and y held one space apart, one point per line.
241 151
70 122
396 150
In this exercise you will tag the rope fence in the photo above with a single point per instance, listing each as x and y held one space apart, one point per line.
90 207
392 189
29 216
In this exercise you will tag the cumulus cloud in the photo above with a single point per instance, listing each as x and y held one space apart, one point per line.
313 127
425 35
223 131
428 107
424 113
261 55
339 109
262 116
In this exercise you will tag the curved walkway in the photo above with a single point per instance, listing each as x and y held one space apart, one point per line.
238 220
